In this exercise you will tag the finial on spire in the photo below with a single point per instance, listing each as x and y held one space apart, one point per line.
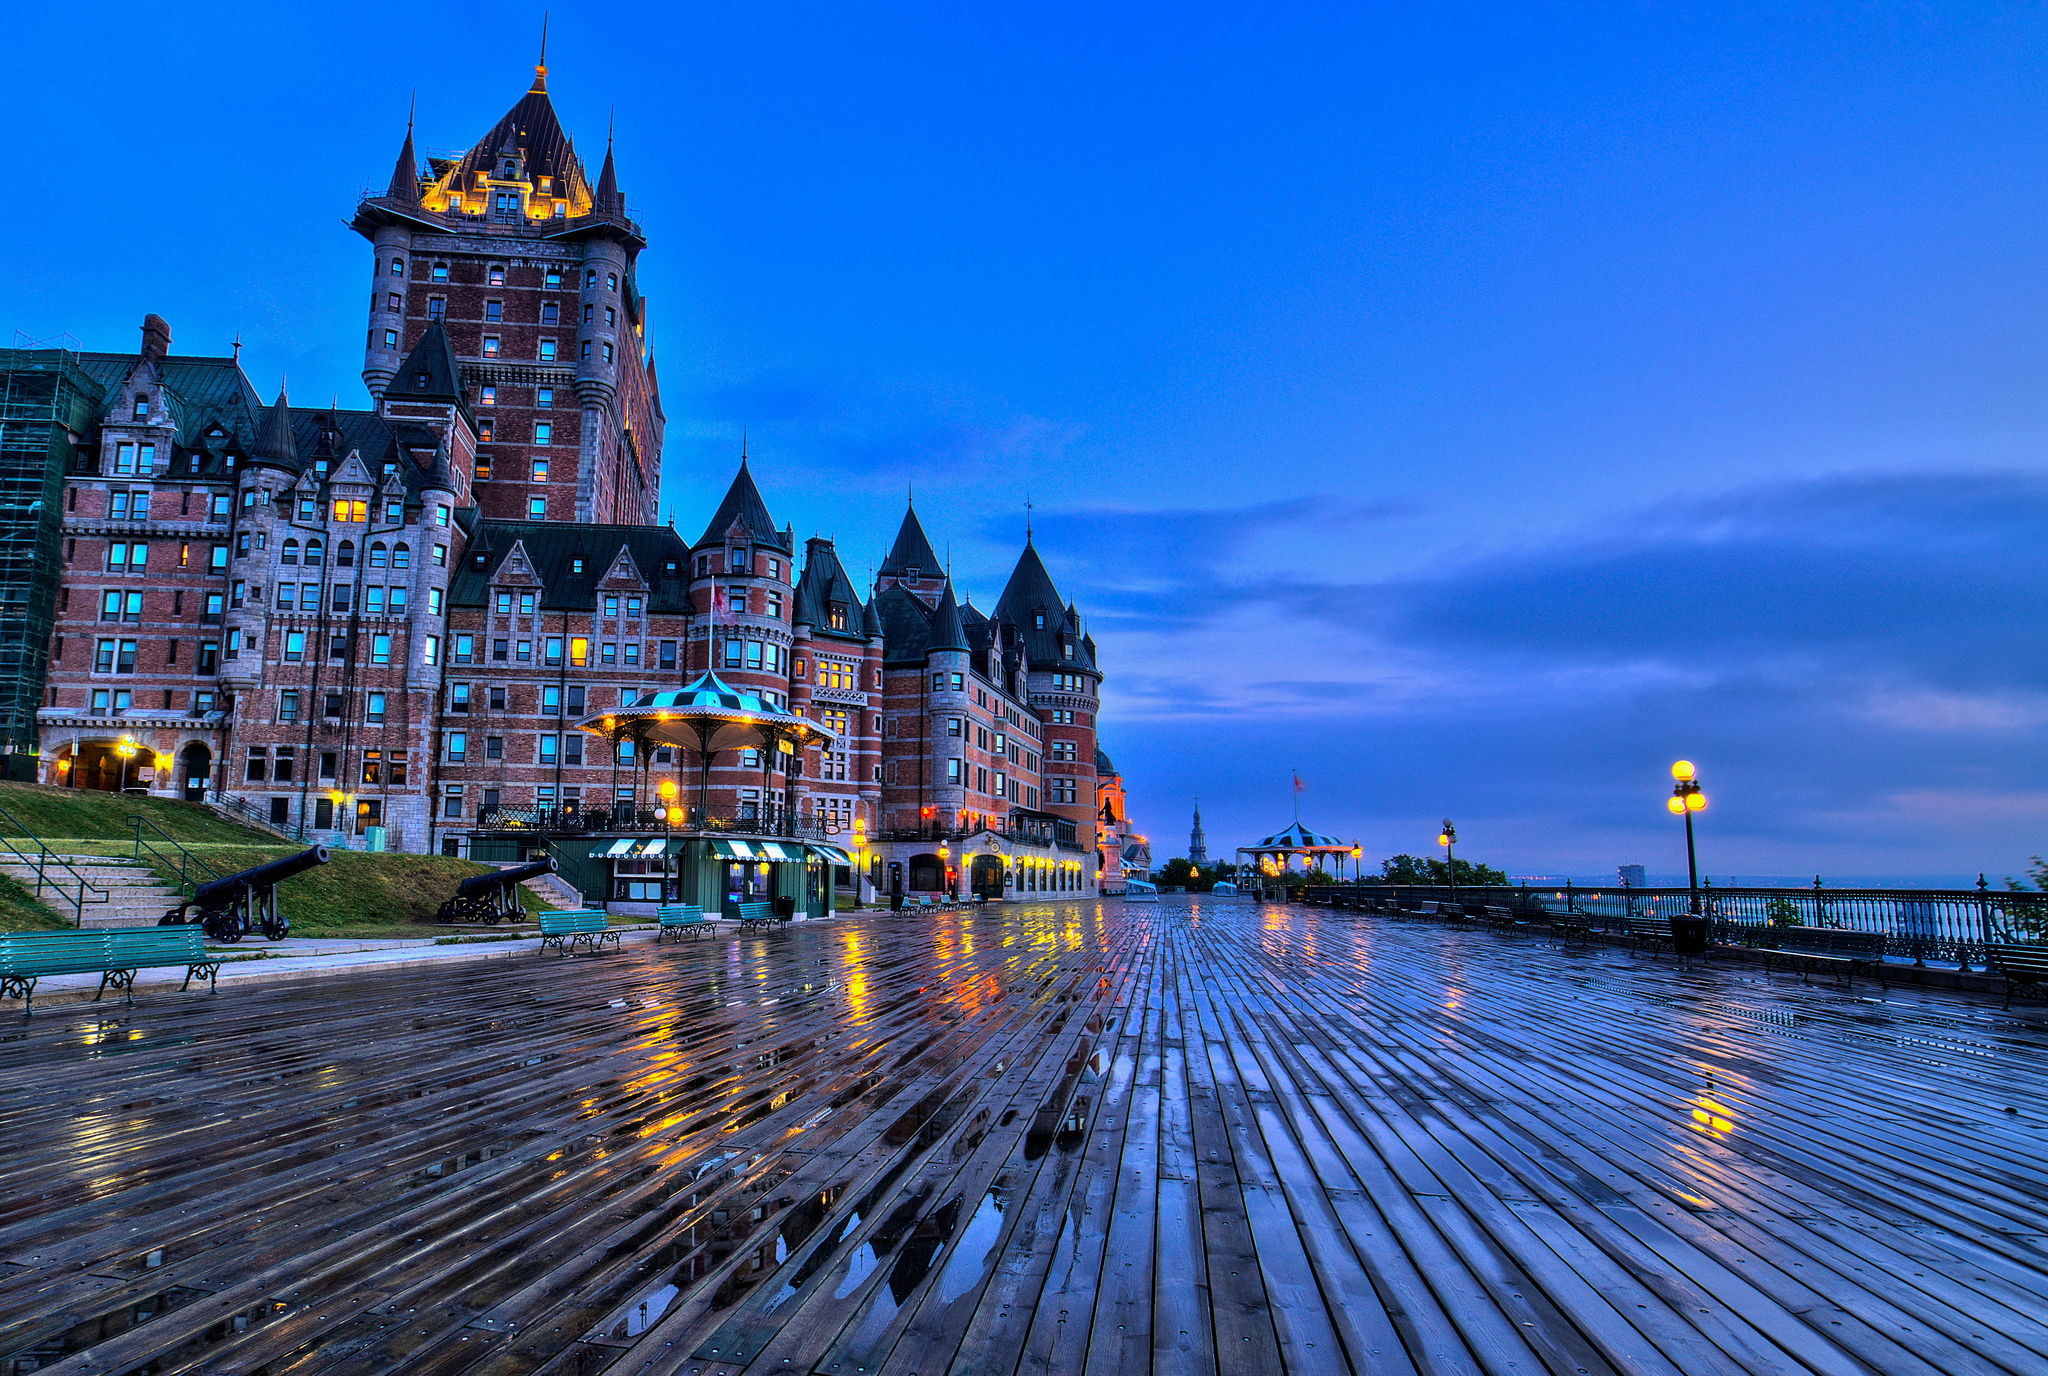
1027 520
543 40
412 108
238 346
743 444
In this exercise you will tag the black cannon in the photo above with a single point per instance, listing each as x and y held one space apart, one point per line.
490 898
227 909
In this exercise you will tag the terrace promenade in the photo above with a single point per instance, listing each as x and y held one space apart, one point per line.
1192 1137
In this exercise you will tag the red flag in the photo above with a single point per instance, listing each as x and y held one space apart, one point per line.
1299 786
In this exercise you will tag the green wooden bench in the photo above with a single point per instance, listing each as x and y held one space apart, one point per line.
1503 921
2025 967
1828 951
1653 932
677 918
567 930
115 954
761 915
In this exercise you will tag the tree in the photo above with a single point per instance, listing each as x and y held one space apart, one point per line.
1413 869
1180 873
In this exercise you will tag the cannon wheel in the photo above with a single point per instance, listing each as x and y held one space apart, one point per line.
277 928
222 928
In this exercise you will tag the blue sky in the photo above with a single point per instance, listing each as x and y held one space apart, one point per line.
1475 411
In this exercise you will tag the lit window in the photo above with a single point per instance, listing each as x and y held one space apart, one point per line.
540 470
488 396
579 652
490 346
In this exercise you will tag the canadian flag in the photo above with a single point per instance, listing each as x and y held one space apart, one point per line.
717 599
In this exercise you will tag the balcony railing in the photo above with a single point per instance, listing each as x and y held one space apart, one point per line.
744 820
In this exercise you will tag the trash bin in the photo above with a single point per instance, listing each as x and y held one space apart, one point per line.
896 901
1689 935
785 907
373 838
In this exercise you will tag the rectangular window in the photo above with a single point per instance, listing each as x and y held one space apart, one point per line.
373 713
540 470
550 312
733 651
494 310
398 601
608 653
294 646
434 598
543 432
380 650
458 697
341 596
523 651
547 351
499 650
465 648
611 606
494 747
287 596
668 654
219 560
537 508
458 746
572 749
213 605
577 696
337 647
209 658
288 705
547 749
391 340
579 652
259 765
952 771
554 651
451 800
632 652
373 601
490 346
544 398
373 766
282 772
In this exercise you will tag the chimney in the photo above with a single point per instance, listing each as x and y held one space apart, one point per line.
156 336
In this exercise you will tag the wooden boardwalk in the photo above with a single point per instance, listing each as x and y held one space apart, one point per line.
1040 1139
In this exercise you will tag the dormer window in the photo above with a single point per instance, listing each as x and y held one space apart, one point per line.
142 406
511 168
912 573
576 565
736 562
419 381
838 616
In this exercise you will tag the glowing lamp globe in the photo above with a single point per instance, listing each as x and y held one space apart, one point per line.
1695 802
1682 771
1677 806
1444 839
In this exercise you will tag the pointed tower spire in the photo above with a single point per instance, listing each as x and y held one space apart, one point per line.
540 71
405 176
912 550
948 632
274 444
608 199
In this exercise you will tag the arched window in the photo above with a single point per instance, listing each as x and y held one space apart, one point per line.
345 554
377 553
290 553
315 551
398 267
401 556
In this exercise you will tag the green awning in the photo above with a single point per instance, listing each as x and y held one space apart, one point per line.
832 853
622 846
657 846
732 850
774 850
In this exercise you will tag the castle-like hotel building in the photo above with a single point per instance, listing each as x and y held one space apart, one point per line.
408 624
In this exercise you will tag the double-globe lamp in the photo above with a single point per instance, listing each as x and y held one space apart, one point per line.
1686 799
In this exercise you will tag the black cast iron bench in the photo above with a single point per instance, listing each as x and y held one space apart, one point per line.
1832 951
2025 967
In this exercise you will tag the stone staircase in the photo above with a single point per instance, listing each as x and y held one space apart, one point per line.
135 896
555 890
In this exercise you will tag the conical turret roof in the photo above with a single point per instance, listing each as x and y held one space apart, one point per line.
274 443
1030 593
911 550
405 177
871 622
947 631
608 199
743 503
430 372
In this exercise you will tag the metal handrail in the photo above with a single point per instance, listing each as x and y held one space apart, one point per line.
44 857
187 861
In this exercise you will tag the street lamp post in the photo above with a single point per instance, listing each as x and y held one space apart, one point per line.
1686 799
1448 839
125 748
1357 867
670 816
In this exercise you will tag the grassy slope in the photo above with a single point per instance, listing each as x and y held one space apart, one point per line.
355 895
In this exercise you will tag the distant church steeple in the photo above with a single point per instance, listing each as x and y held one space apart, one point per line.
1198 844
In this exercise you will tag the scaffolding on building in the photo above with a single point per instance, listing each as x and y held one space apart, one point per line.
48 405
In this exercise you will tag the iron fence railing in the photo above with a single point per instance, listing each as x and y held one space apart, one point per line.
189 870
1920 924
47 865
